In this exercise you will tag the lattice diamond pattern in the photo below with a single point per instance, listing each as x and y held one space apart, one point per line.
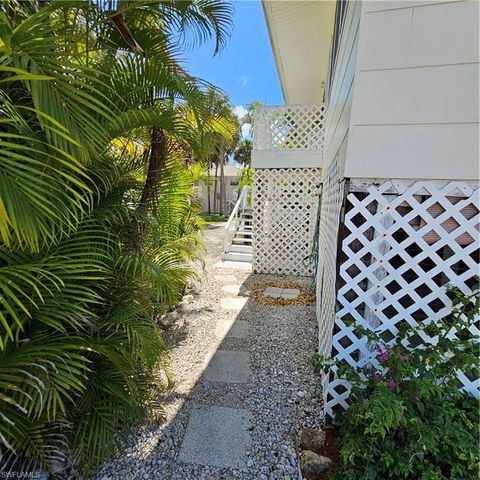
285 208
332 198
403 246
289 127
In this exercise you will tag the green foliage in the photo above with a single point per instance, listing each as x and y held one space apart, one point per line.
246 178
81 357
243 152
407 417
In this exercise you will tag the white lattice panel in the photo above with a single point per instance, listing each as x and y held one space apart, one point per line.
285 207
331 203
403 245
289 127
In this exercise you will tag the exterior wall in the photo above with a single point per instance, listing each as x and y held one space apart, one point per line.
230 190
415 108
334 156
339 102
402 128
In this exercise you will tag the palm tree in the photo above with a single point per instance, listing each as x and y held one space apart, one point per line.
243 152
223 133
82 85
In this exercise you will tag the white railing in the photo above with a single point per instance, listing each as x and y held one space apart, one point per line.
289 128
233 223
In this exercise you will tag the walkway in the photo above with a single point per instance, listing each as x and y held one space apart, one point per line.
243 387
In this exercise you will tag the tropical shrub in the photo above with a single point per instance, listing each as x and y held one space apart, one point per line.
246 178
98 228
408 418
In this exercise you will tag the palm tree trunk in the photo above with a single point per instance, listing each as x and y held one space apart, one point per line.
156 164
215 202
223 197
209 206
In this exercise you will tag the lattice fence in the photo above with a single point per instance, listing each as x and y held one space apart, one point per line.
289 127
331 202
285 204
404 243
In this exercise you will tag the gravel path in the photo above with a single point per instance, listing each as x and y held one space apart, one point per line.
275 392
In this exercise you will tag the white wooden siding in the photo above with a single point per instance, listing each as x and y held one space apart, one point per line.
340 98
415 108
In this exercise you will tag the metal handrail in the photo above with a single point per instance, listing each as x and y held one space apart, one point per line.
234 217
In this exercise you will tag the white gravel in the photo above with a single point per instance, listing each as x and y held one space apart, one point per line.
282 392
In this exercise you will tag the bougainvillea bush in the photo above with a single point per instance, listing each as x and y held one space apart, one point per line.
408 417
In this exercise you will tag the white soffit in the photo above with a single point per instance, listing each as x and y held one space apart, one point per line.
301 33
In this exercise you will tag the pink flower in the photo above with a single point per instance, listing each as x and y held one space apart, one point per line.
391 384
403 358
384 356
377 377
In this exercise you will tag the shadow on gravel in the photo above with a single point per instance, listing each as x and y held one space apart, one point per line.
237 415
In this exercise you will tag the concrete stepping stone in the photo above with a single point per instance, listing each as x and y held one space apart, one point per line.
231 328
228 264
217 436
232 289
290 293
276 292
233 303
226 278
228 367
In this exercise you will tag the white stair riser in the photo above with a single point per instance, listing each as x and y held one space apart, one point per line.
240 248
237 257
242 241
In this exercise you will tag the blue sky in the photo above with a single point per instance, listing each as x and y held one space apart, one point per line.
245 69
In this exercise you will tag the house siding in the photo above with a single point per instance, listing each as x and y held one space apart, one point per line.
339 102
415 105
401 135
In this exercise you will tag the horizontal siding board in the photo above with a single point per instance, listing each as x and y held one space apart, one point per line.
447 151
440 34
380 5
415 105
446 94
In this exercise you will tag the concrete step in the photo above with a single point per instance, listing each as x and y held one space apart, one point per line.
245 233
237 257
240 248
242 241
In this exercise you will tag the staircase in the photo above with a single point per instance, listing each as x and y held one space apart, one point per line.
238 232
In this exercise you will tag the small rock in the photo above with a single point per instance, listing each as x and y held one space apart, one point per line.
249 462
168 319
301 393
188 298
183 305
293 460
311 439
313 464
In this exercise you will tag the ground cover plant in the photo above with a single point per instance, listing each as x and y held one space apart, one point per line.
407 418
